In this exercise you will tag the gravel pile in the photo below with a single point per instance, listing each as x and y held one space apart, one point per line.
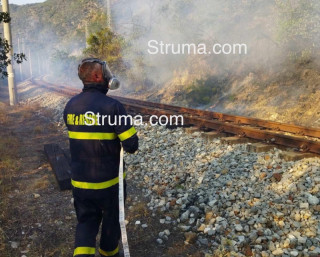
33 94
251 204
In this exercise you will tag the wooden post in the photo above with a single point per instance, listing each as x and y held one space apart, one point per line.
7 36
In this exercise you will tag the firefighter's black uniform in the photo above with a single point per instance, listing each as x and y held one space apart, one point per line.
95 156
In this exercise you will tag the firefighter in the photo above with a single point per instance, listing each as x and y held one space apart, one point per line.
95 156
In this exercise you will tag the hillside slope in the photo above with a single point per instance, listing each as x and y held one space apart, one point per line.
52 24
267 83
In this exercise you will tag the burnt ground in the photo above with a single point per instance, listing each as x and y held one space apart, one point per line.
36 218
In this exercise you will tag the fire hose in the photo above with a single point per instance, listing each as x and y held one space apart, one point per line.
121 209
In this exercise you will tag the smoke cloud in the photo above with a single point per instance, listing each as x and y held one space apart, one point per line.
263 25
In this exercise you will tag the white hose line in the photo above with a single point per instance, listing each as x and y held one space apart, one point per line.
121 209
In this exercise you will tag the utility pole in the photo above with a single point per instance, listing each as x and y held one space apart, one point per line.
47 66
39 65
7 36
30 64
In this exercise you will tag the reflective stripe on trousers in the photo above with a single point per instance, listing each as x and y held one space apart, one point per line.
109 253
91 251
96 186
84 251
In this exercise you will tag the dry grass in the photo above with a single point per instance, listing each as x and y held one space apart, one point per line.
33 212
40 183
3 118
9 163
28 111
140 209
9 166
38 129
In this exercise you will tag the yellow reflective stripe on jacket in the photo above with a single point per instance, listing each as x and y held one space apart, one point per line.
109 253
96 186
84 250
92 135
127 134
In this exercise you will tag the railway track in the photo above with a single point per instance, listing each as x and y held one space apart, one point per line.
303 139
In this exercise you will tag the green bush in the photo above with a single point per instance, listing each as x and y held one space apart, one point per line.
203 91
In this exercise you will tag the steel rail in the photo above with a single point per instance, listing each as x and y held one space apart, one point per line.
273 125
302 144
264 130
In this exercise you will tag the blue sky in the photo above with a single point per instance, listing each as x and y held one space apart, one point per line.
25 1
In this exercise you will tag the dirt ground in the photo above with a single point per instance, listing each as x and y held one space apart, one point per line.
36 218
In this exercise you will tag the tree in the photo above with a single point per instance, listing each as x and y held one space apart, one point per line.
63 65
106 45
5 48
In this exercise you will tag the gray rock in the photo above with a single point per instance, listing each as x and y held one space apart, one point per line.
219 219
211 232
191 221
179 201
238 227
166 232
304 205
14 245
212 203
271 247
292 238
203 241
308 243
302 240
267 232
184 228
241 239
159 241
294 253
313 200
184 216
253 236
165 237
277 252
